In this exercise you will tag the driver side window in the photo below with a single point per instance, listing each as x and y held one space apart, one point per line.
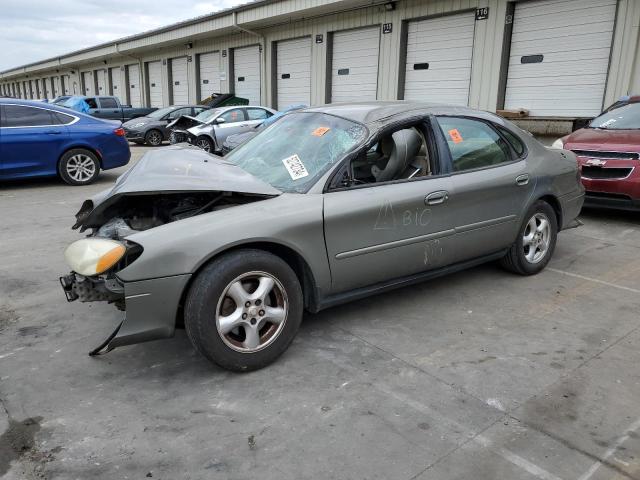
399 155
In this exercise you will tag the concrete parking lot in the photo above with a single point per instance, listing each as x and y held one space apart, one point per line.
478 375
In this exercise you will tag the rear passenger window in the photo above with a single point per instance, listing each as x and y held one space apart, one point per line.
258 114
108 103
513 140
473 144
63 118
23 116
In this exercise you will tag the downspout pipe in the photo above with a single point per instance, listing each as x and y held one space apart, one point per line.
263 48
143 79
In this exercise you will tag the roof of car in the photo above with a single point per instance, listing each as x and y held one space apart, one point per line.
371 112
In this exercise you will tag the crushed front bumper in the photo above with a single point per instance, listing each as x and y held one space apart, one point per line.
151 306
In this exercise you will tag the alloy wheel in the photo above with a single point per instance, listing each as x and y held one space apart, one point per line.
154 138
81 167
251 312
204 144
536 238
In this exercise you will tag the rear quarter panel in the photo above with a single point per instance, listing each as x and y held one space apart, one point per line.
557 175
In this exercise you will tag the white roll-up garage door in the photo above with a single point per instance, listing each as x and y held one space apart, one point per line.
66 85
154 69
354 65
209 65
116 83
48 93
439 54
56 86
179 81
560 56
101 79
135 96
293 72
246 72
87 81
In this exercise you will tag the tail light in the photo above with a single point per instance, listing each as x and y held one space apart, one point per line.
119 132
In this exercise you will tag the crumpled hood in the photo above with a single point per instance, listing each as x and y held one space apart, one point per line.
174 169
135 121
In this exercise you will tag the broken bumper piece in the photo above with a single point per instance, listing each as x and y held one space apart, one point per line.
151 306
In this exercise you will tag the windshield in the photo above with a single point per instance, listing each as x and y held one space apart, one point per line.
622 118
207 115
158 114
295 151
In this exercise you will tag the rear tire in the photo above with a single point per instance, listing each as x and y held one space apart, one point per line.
79 167
244 309
536 241
153 137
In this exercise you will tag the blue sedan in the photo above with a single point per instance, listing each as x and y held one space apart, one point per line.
38 139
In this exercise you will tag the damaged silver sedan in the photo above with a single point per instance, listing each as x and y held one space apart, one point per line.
327 205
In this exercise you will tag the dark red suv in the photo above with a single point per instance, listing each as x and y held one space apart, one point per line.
608 151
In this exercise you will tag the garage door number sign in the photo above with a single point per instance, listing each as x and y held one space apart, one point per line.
482 13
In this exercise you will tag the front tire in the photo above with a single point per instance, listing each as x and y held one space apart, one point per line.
205 143
244 309
79 167
154 138
536 241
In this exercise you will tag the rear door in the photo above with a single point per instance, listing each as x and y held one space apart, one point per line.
31 140
255 116
491 185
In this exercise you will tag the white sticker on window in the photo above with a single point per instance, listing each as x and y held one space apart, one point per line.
295 167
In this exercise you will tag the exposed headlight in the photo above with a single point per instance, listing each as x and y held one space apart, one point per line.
93 256
142 124
558 144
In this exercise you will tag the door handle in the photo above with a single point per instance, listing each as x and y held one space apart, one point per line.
522 180
436 198
53 132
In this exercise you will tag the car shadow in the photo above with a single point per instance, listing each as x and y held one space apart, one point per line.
609 215
106 178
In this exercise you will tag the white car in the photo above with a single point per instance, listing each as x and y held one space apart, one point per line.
210 129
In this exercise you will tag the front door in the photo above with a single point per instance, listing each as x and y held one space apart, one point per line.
234 122
381 232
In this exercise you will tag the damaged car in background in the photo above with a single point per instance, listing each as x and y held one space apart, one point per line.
209 129
327 205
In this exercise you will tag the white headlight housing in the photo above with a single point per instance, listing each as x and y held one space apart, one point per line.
558 144
93 256
141 124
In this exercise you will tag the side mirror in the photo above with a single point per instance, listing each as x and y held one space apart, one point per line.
220 120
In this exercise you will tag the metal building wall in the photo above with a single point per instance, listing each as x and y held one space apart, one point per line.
277 21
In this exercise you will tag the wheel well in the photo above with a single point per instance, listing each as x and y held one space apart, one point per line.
81 147
555 204
290 256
